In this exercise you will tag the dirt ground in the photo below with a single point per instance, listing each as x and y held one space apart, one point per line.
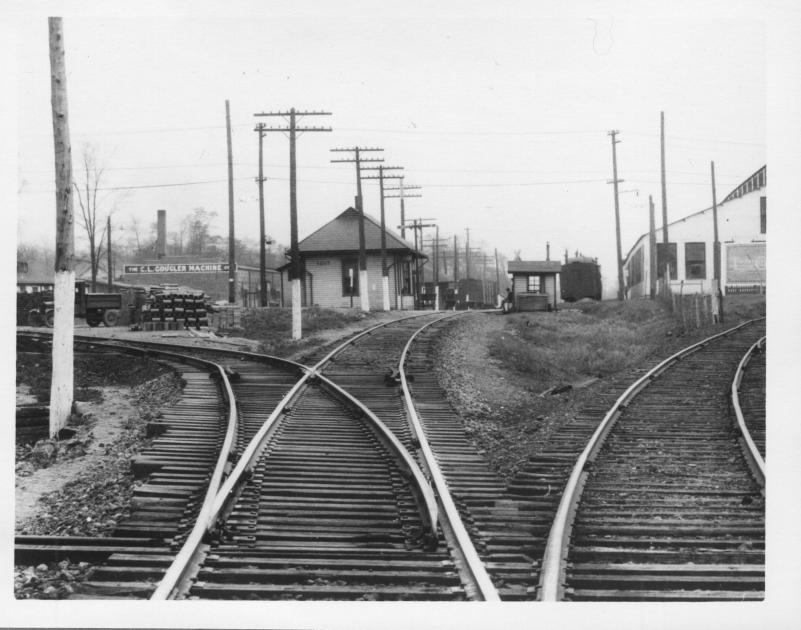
507 417
115 411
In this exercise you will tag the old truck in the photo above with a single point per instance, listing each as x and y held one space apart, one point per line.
36 308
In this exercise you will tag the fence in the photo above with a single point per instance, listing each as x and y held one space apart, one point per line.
694 311
226 317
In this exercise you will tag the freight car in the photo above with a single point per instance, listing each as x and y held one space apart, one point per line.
580 278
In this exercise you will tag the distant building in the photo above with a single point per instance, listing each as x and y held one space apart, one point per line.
742 227
535 284
330 257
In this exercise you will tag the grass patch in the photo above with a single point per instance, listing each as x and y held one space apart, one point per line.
594 339
600 338
272 327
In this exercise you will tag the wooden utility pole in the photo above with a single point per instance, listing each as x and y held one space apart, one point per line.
418 225
296 269
651 248
402 195
436 258
497 274
364 294
664 202
108 252
455 261
262 233
384 268
61 388
616 181
716 248
231 241
467 254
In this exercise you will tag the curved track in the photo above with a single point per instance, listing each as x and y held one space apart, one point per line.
662 504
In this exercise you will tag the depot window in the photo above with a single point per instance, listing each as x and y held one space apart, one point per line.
695 261
533 284
350 276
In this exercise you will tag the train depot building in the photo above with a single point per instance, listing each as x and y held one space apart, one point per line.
742 218
535 284
330 259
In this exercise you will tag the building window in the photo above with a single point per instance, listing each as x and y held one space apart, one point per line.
763 215
533 284
350 276
695 261
661 261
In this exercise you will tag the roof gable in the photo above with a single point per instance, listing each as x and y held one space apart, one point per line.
342 234
534 266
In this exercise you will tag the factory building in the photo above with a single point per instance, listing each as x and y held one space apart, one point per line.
742 228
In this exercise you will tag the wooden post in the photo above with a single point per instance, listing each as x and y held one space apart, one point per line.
262 234
651 248
664 200
61 388
110 272
231 256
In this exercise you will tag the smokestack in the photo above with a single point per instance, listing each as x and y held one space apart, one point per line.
161 234
547 250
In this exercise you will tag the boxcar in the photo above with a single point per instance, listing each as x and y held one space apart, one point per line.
580 278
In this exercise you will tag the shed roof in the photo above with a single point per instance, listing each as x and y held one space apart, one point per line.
534 266
341 234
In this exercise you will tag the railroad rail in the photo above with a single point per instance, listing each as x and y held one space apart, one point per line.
180 485
364 545
751 414
660 504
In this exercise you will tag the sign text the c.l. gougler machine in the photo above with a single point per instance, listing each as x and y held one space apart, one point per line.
177 268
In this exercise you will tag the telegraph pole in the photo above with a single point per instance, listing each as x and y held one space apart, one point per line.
384 269
467 254
651 248
664 202
616 181
497 273
296 269
61 386
108 252
363 286
262 233
402 188
716 248
231 242
455 260
417 224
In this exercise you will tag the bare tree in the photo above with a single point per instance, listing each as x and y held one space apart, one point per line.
88 202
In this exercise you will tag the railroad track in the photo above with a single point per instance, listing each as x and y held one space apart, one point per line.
662 504
348 504
331 493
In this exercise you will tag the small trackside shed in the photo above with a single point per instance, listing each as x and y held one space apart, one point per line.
330 257
535 284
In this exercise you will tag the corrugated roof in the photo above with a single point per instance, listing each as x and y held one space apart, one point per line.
534 266
341 234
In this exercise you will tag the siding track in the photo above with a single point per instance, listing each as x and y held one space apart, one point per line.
662 504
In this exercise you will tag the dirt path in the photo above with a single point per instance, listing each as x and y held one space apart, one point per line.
109 419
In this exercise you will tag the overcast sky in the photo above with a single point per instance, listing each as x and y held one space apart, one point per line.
501 116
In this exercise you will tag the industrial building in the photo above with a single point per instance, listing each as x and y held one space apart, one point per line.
742 227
